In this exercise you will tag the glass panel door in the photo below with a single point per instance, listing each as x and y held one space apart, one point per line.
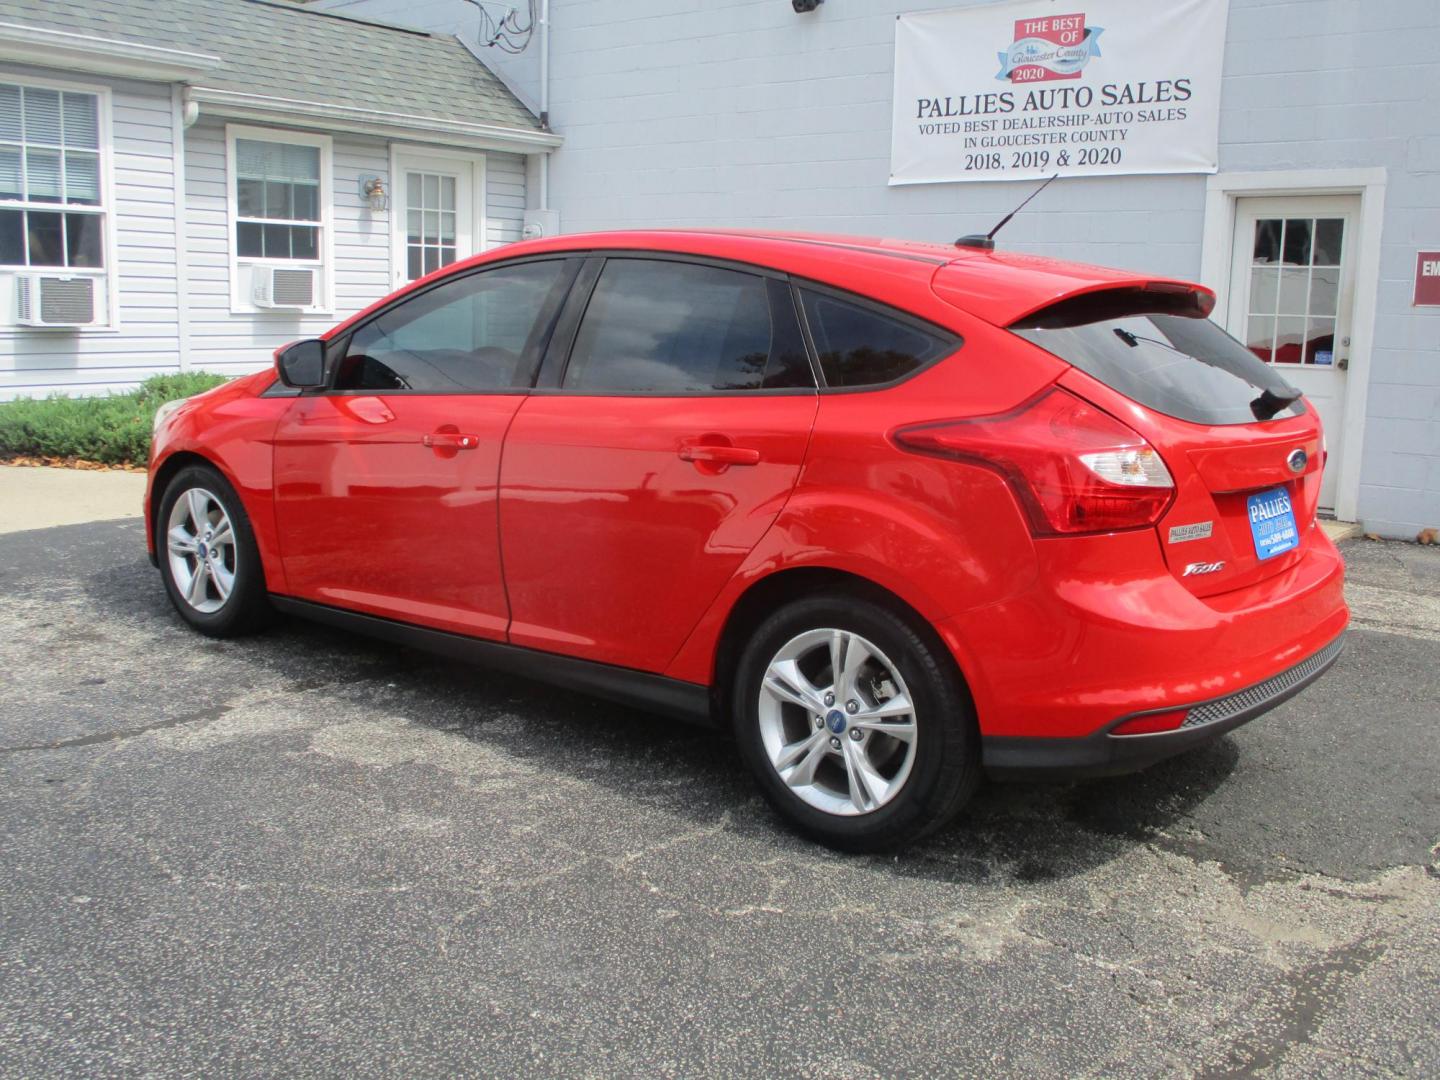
1291 290
436 219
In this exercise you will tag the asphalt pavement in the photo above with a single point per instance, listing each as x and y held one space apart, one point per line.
306 854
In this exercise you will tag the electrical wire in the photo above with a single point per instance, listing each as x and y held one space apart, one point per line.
506 33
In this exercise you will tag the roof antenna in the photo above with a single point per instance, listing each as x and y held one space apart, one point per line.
987 242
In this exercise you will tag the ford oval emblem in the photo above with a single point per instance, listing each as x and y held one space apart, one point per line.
1297 460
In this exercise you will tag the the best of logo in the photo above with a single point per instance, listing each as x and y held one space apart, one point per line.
1049 47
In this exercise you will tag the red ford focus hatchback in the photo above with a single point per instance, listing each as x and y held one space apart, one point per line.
896 514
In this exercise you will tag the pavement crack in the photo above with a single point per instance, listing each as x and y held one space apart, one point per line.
203 715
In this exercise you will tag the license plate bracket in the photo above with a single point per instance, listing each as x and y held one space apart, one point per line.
1272 523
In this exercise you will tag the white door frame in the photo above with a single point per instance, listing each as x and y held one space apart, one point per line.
1222 192
480 224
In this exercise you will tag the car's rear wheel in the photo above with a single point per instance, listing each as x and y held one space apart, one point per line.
855 722
208 556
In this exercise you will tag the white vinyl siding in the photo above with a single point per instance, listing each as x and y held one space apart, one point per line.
139 255
504 198
233 342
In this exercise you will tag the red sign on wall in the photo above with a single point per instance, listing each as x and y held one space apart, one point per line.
1050 47
1427 279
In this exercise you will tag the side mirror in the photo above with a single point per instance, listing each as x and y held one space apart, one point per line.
302 365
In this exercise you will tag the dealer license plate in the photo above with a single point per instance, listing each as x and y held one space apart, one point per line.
1272 523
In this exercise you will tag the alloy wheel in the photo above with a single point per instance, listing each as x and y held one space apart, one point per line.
200 543
837 722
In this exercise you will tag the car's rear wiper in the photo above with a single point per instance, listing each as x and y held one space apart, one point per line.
1269 403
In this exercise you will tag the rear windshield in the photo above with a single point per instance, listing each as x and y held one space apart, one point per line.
1183 367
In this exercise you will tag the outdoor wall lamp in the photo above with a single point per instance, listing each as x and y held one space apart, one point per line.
802 6
372 190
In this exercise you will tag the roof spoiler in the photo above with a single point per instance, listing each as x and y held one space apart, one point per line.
1119 302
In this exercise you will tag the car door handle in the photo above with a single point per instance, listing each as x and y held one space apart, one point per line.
719 455
451 440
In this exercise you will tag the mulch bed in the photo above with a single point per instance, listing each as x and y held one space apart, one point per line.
67 463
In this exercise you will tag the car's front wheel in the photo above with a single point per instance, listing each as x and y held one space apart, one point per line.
208 556
855 722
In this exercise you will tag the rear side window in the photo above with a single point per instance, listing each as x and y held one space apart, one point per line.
469 333
1181 366
672 327
859 346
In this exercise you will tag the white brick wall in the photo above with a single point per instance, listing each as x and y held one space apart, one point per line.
688 112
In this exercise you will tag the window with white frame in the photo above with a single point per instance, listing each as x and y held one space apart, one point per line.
52 212
279 219
277 200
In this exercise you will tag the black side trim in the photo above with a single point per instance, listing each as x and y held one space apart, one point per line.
654 693
1103 754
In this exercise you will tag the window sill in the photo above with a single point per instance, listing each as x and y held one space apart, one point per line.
14 330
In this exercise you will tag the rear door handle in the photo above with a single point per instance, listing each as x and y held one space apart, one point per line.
719 455
451 440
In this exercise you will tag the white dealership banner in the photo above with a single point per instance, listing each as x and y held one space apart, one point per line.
1030 88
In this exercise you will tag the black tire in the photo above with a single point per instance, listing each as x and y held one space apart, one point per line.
945 769
246 609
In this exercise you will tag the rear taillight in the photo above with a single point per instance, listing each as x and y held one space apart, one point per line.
1074 468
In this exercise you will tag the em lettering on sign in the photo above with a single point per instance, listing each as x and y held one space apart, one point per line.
1427 279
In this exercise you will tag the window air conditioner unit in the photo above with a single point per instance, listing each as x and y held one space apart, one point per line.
54 300
282 287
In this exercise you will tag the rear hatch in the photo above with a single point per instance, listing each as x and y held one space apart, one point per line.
1243 449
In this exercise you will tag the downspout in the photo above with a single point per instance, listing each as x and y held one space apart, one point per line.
183 113
545 100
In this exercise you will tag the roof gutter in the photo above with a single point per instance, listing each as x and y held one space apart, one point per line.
329 117
101 56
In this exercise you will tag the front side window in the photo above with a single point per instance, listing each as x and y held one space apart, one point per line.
670 327
51 212
859 346
277 200
473 333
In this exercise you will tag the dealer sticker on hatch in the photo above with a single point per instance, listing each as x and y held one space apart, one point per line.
1272 523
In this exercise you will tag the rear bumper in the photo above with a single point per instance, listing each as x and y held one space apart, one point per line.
1104 632
1104 754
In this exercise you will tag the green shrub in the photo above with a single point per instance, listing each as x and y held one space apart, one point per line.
114 429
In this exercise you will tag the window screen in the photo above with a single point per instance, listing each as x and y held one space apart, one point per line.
470 333
859 346
672 327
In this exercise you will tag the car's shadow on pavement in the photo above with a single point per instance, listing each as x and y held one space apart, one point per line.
1010 832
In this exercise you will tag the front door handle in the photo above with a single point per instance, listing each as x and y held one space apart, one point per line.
451 440
719 455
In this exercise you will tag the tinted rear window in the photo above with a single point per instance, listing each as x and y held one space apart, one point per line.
1183 367
859 346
